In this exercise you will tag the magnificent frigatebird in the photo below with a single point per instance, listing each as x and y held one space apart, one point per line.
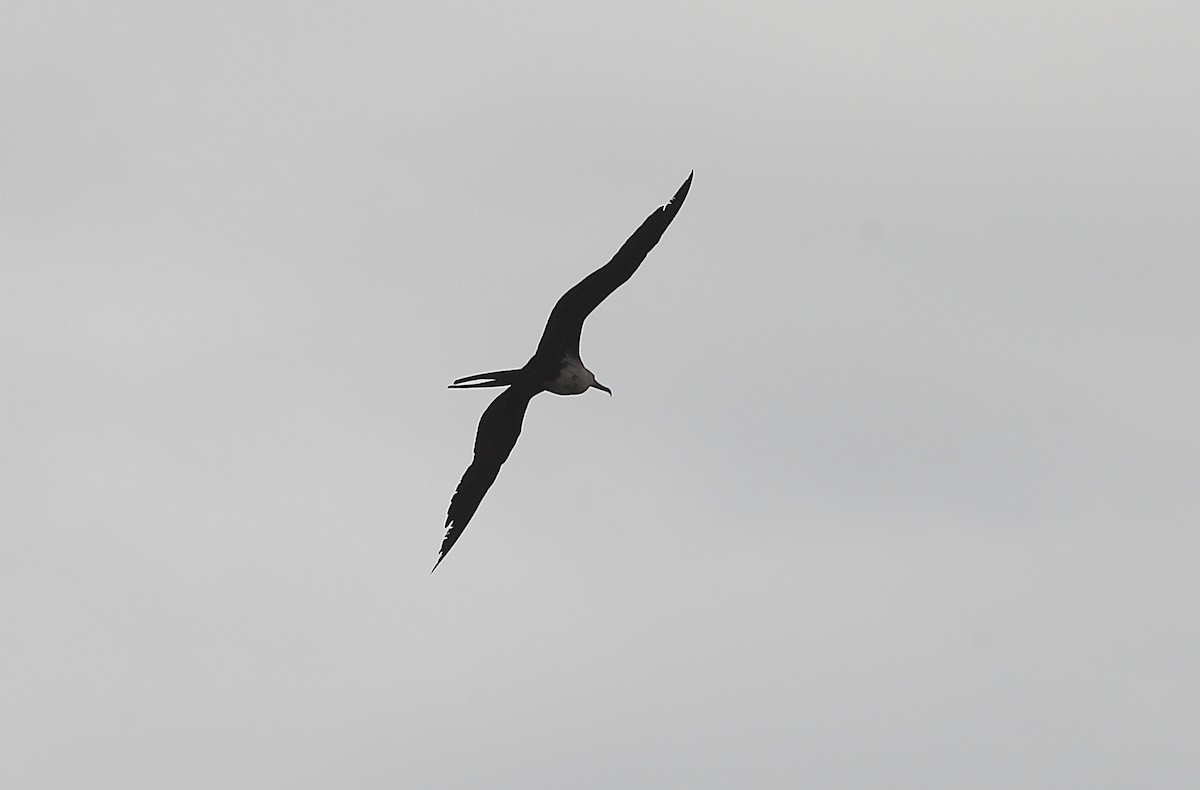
554 367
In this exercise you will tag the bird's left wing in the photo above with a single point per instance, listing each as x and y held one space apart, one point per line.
561 334
497 435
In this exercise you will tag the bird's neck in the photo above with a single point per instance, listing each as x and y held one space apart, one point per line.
572 378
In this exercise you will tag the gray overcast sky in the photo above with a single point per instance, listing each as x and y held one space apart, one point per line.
898 487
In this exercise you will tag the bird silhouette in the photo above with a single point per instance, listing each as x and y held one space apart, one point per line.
554 367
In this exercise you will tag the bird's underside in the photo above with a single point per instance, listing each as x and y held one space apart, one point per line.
554 367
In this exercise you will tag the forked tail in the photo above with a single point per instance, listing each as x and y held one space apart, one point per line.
497 378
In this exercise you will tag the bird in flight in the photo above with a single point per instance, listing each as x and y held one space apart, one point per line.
554 367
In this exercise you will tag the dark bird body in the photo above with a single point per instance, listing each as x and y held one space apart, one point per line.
554 367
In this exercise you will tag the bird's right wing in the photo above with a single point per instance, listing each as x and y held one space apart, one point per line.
497 435
561 334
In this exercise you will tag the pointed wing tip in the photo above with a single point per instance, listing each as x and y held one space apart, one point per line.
681 193
447 542
443 552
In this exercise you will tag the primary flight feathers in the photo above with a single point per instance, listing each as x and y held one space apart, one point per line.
554 367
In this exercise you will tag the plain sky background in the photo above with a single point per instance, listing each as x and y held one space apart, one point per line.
898 488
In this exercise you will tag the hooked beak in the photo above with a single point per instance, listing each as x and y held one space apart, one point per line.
600 386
